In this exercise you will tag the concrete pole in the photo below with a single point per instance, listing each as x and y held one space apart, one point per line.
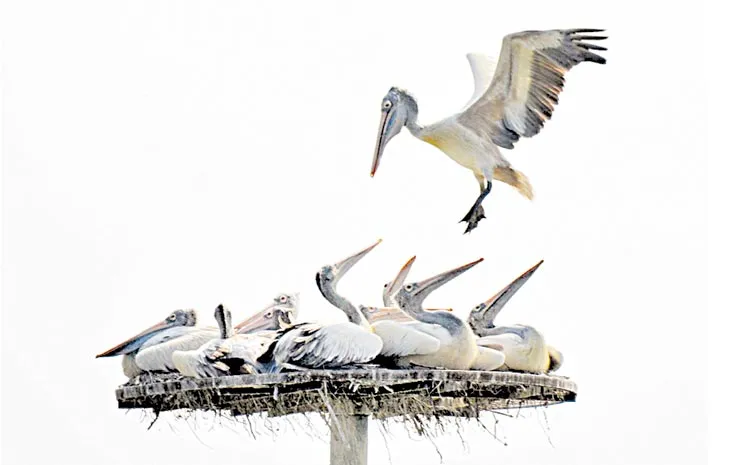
349 439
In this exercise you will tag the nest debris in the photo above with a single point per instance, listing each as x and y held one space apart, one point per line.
427 403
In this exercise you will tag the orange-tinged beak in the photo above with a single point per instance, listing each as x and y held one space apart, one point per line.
380 143
427 286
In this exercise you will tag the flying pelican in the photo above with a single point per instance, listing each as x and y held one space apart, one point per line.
524 348
510 102
178 324
316 345
457 348
232 353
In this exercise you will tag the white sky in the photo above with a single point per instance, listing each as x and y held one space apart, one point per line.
159 155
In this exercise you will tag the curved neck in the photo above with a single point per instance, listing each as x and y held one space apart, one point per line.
354 315
411 124
445 319
487 331
521 331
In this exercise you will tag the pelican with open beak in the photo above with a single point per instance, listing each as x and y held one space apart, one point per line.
457 349
397 329
523 346
179 324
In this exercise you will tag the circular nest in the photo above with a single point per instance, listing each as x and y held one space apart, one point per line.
382 393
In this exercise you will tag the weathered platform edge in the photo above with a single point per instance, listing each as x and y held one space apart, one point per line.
493 389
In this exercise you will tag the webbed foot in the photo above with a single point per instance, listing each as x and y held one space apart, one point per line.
473 217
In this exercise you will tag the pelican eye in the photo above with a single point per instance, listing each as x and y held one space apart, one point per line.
387 104
172 317
283 299
408 287
268 314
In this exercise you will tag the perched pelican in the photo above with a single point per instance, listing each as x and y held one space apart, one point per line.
399 333
178 324
510 102
231 354
159 357
390 310
282 312
523 346
457 348
315 345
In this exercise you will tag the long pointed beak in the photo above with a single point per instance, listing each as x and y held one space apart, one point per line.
343 266
424 288
396 284
130 345
254 322
494 305
389 313
380 143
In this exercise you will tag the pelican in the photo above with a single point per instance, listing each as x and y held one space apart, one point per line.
512 101
178 325
457 348
398 331
316 345
232 353
159 357
283 312
401 336
524 347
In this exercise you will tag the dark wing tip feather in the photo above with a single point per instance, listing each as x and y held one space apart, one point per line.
591 46
579 37
588 56
582 30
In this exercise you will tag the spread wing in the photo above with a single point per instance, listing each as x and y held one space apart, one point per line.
526 84
483 69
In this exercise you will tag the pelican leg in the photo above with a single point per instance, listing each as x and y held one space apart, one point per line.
476 212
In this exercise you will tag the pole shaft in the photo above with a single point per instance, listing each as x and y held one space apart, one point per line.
349 439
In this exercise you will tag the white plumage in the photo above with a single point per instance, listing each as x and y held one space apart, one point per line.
526 351
314 345
159 357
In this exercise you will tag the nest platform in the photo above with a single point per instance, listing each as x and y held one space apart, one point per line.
351 396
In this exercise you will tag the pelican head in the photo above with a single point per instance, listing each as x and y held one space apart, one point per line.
398 109
281 313
411 296
330 275
484 314
392 287
176 318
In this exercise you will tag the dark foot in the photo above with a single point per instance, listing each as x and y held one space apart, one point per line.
473 217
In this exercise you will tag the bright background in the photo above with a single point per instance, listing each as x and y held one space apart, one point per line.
159 155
